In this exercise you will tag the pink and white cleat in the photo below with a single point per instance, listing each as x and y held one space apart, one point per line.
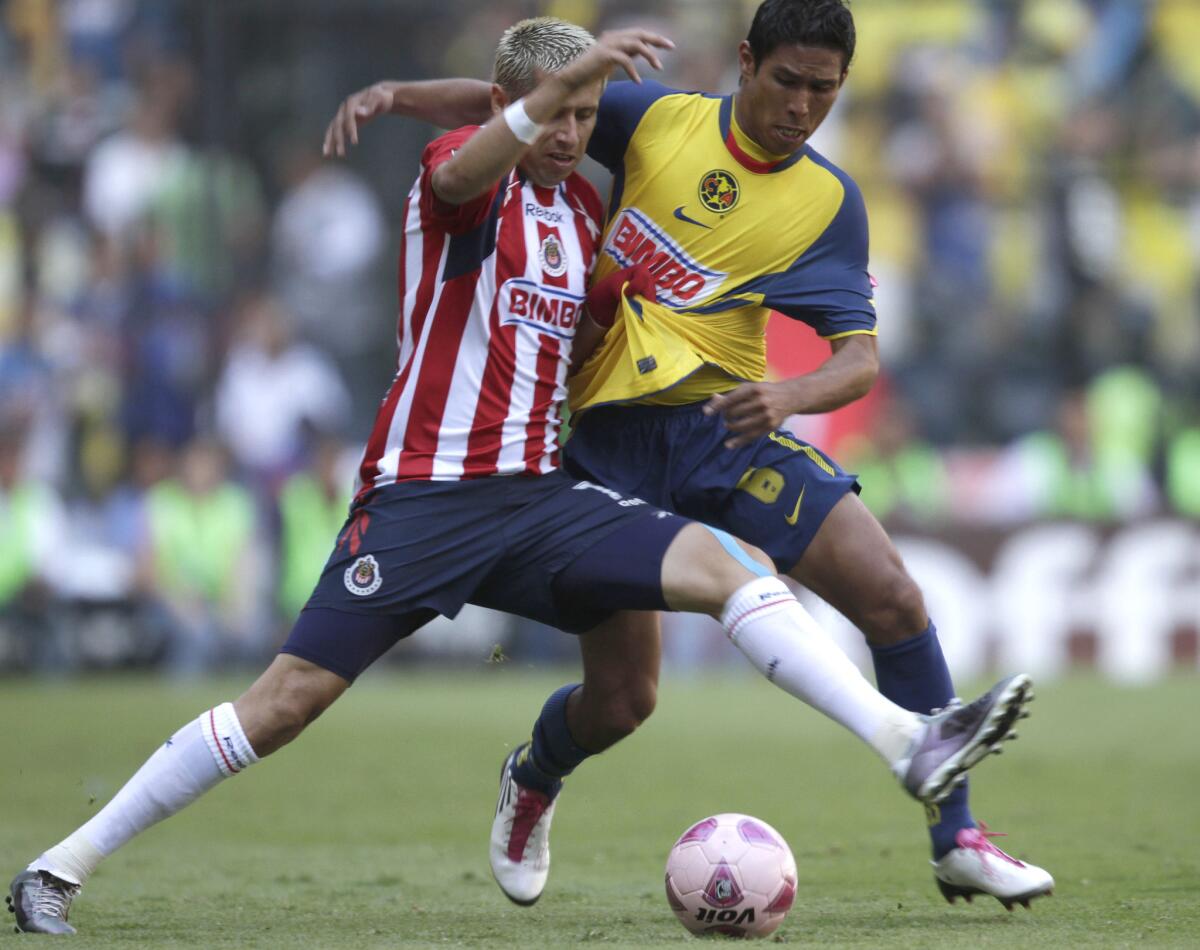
977 866
520 848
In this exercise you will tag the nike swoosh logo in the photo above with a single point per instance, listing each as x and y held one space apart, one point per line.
683 217
795 515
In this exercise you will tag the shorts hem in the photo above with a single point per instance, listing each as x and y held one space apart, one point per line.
323 662
786 561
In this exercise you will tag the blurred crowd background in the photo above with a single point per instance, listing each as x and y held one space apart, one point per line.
197 311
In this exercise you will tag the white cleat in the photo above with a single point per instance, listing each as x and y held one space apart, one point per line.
977 866
520 848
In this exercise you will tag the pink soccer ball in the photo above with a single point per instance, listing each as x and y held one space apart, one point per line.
733 875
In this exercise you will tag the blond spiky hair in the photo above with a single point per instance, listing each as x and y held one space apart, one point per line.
544 44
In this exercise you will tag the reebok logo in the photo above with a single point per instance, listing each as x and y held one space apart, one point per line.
549 215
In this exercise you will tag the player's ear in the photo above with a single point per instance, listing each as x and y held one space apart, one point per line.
499 99
747 67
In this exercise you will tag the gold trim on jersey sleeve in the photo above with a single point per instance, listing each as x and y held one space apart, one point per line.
839 336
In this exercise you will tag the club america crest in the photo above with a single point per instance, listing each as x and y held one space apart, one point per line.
363 576
554 260
719 191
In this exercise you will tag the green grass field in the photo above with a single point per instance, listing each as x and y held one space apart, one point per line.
371 830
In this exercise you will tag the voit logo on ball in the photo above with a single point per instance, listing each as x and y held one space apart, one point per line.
363 577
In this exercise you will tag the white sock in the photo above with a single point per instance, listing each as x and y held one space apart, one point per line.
201 754
790 649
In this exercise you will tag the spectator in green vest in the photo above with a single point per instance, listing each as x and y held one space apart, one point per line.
204 563
31 531
902 476
1080 469
1183 472
312 507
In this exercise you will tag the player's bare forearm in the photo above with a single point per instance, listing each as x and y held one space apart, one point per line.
751 410
847 375
489 154
449 103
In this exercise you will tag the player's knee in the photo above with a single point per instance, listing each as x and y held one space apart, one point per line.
640 702
896 612
277 708
758 556
621 711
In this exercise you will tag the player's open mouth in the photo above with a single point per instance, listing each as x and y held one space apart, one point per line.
562 159
789 134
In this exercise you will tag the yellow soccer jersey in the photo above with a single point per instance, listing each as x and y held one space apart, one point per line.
730 233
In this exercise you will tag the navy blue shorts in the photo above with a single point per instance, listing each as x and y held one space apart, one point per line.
413 550
773 493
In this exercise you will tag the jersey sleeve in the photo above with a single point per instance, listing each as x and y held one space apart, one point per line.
453 219
828 286
621 109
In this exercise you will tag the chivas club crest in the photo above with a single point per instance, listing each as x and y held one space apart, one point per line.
554 260
719 190
363 576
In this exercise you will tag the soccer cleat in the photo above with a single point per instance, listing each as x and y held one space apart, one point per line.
958 737
41 902
977 866
520 848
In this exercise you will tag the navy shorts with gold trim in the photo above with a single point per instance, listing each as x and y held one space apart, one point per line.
773 493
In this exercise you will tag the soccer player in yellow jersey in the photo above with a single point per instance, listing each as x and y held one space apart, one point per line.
722 201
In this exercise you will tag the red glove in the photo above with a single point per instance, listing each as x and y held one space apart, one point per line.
603 298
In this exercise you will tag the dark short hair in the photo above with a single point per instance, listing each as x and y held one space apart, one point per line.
824 23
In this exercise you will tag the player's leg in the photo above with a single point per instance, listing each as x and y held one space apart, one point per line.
795 503
621 658
621 662
852 564
707 571
218 744
701 569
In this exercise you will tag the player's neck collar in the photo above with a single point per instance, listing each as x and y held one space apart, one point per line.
544 193
749 154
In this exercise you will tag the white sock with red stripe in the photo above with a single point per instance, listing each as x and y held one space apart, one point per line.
790 649
201 754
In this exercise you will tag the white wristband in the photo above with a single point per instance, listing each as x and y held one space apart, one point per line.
518 121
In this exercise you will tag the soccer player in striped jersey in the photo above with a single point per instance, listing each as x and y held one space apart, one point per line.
462 500
733 214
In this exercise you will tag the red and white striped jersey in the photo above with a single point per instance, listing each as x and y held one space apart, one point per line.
490 295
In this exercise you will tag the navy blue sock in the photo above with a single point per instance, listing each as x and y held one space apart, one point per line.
913 674
553 753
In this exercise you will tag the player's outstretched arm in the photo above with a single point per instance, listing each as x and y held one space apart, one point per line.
751 410
447 103
492 152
